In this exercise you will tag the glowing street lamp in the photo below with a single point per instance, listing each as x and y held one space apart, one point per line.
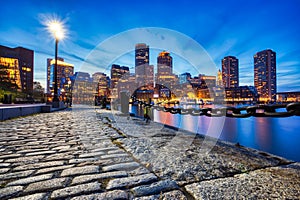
56 28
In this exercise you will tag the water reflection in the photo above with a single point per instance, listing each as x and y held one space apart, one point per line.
278 136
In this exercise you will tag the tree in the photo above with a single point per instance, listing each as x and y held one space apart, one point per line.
38 91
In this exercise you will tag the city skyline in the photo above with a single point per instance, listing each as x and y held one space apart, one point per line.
253 29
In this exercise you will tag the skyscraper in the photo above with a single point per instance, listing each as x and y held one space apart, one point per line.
265 75
143 71
164 63
141 54
16 68
230 71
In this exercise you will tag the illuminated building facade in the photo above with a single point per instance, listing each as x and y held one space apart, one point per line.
164 64
219 79
165 74
141 54
127 84
241 94
16 68
116 73
84 89
184 78
10 73
207 81
288 96
102 81
64 72
143 71
230 71
165 79
265 75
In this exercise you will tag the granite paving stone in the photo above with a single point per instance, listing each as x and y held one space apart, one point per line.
118 155
121 166
105 149
24 160
52 169
10 191
25 151
131 181
175 194
110 195
80 160
31 179
80 170
4 170
93 154
14 175
14 155
92 177
47 185
37 196
154 188
39 165
76 190
2 164
40 153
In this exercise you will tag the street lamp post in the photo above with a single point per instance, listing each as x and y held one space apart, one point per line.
56 28
55 98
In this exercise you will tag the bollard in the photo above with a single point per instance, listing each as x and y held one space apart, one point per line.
124 102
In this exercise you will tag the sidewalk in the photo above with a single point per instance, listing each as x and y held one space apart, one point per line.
83 153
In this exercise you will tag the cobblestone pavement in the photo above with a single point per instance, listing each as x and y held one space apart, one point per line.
83 154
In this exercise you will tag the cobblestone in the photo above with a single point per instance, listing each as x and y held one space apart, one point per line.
47 185
76 161
94 154
4 164
80 170
16 175
115 194
79 154
92 177
121 166
154 188
131 181
176 194
24 160
39 165
40 153
51 169
26 151
75 190
4 170
15 155
37 196
32 179
10 191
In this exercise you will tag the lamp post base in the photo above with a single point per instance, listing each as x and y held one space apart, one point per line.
55 104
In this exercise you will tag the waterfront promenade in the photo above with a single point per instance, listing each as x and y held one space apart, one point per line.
87 153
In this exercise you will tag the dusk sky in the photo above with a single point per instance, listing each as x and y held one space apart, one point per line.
237 27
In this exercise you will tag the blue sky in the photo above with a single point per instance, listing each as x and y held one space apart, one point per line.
239 28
